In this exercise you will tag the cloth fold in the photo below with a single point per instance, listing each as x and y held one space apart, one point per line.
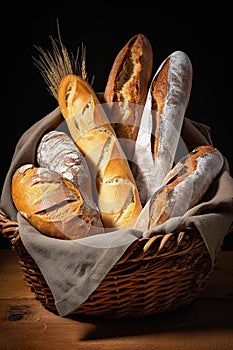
74 269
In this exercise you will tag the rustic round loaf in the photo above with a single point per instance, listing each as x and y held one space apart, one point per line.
53 204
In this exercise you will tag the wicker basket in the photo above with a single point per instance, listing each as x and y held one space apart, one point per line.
154 275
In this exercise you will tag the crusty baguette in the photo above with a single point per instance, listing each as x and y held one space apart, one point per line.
53 204
117 194
185 184
126 89
57 151
161 123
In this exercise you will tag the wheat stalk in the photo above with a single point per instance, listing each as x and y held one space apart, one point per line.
53 66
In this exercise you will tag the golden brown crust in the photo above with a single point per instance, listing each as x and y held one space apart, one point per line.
159 94
90 129
74 95
159 88
53 204
171 193
127 87
131 72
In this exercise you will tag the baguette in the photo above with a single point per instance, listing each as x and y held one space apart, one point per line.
185 185
116 192
53 204
126 89
161 123
57 151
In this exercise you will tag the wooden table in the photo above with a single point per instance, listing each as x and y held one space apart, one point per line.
205 324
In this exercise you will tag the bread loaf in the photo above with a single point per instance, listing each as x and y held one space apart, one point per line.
126 89
116 191
57 151
185 185
161 123
53 204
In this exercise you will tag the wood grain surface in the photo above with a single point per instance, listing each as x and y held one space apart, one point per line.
206 323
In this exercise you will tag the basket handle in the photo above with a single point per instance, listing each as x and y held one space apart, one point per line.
9 228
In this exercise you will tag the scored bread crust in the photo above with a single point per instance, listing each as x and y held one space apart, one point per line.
126 89
185 184
53 204
57 151
116 192
161 123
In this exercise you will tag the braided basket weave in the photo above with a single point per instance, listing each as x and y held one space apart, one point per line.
154 275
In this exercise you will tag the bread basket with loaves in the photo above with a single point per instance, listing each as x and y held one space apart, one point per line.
116 204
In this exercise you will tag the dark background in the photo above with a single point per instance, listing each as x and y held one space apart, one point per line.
104 29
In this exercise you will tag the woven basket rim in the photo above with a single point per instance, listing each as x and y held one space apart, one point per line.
160 245
137 285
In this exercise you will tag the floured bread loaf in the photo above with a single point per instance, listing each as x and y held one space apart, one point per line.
185 184
161 123
58 152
